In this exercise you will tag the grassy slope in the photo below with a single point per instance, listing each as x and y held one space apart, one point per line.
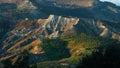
68 50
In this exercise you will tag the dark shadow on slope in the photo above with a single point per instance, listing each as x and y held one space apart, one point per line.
37 58
99 11
62 11
21 62
7 7
105 58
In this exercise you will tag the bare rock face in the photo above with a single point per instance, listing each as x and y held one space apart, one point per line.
78 16
21 4
27 33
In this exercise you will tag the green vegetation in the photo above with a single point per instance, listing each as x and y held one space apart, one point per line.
68 50
55 48
107 57
82 51
83 44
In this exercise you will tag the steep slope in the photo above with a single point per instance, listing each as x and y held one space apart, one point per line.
98 10
26 32
28 25
13 10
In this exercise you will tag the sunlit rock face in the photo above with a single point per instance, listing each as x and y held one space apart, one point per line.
21 4
27 34
52 27
23 28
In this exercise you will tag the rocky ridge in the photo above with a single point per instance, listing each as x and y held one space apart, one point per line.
96 18
29 33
